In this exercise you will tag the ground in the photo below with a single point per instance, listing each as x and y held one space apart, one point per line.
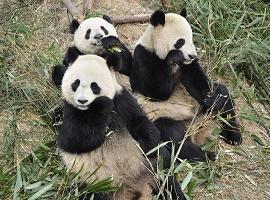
34 36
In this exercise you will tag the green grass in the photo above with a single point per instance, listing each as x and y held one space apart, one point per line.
233 38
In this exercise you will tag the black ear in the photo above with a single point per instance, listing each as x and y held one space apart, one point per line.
158 18
73 26
108 19
58 74
183 13
114 61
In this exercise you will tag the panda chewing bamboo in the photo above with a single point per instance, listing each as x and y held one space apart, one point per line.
95 36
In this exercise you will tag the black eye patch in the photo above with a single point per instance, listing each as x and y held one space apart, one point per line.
75 85
104 30
95 88
87 34
179 43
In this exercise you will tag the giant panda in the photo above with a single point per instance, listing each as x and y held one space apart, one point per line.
102 128
172 87
95 36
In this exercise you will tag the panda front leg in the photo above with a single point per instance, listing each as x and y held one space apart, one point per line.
214 98
113 44
219 100
174 130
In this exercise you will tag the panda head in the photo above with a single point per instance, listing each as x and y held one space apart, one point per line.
88 34
88 78
169 32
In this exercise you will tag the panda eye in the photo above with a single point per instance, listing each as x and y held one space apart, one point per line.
75 85
87 34
104 30
179 43
95 88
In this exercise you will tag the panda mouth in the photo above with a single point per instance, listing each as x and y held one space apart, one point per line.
96 43
83 107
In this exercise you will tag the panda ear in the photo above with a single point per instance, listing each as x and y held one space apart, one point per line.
58 74
183 12
108 19
158 18
74 26
114 61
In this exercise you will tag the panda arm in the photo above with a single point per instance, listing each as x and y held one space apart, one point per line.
195 81
140 127
71 55
150 75
58 73
110 42
199 86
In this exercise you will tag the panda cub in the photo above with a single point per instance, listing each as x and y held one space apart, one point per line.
102 128
171 85
95 36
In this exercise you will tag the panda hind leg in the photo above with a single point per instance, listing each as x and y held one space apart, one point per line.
174 130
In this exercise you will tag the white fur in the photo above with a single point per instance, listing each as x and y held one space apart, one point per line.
92 45
119 158
88 69
161 39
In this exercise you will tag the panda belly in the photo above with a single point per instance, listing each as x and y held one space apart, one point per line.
180 106
119 157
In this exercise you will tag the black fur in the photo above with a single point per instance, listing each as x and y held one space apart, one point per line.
195 80
108 19
175 188
84 130
95 88
139 126
71 55
173 130
114 61
150 75
219 100
179 43
58 73
110 42
74 26
158 18
75 85
183 13
87 34
174 57
104 30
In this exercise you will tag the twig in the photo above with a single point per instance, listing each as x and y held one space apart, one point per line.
92 5
131 19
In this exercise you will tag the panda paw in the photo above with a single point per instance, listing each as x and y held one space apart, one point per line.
102 105
232 137
211 155
174 57
110 42
217 98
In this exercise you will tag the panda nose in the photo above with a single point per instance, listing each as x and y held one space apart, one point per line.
192 56
98 36
82 101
